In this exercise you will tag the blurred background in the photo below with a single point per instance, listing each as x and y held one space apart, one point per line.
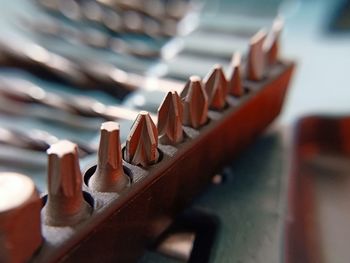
68 65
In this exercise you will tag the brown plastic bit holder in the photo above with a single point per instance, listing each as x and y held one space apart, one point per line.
123 225
317 226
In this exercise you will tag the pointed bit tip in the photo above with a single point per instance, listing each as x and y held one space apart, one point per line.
142 142
195 103
170 117
256 57
62 148
110 126
216 87
258 38
234 81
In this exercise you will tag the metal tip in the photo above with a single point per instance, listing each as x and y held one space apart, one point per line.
109 175
65 204
195 103
271 44
215 84
256 57
170 117
234 80
142 142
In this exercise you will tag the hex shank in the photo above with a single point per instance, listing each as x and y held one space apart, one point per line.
122 226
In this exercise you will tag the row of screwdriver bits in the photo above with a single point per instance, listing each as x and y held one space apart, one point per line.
75 204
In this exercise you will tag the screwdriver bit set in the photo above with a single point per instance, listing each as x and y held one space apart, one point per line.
123 202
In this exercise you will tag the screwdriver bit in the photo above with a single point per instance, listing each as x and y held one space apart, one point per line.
65 203
256 57
170 117
195 103
271 44
109 175
142 142
215 84
234 79
20 228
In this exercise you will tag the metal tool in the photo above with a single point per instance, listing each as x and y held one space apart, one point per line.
142 143
109 175
271 45
256 66
79 73
195 103
27 92
170 118
215 85
235 85
90 37
120 18
65 205
15 108
38 140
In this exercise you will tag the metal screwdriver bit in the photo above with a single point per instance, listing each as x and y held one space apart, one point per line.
271 44
170 117
195 103
215 84
65 203
109 175
256 57
20 228
234 79
142 142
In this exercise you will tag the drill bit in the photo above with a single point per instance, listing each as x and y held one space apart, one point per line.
170 117
215 84
195 103
109 175
141 144
234 80
65 203
256 57
271 44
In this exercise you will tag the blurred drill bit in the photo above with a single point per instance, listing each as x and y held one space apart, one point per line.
141 144
65 203
215 84
195 103
235 86
170 117
256 57
109 175
37 140
271 44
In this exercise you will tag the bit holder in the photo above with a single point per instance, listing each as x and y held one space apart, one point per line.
123 225
118 224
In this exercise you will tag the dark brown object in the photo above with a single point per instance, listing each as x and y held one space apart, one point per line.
109 175
20 228
318 222
65 204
